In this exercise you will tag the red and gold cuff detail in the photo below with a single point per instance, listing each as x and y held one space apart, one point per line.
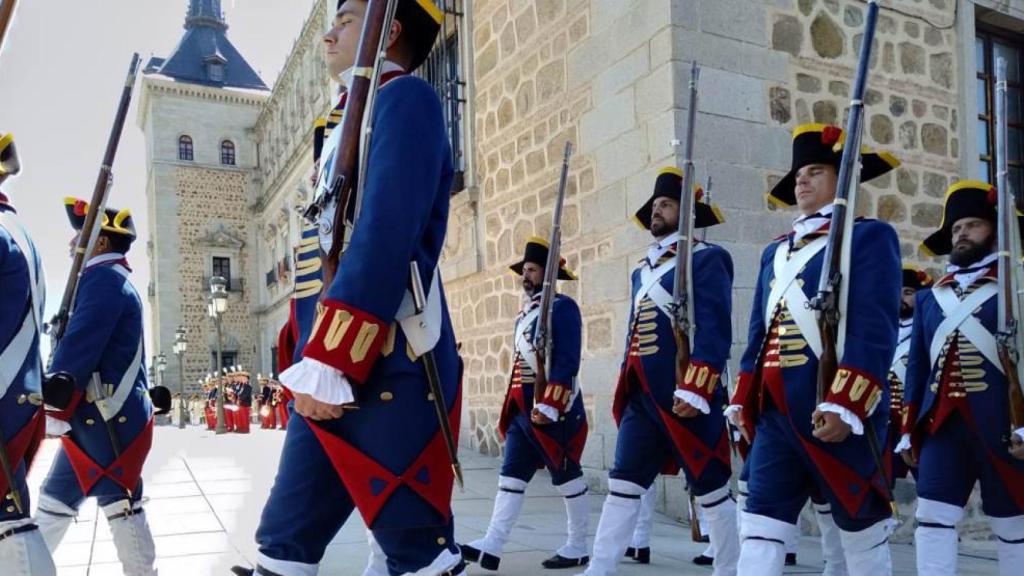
347 339
855 390
700 379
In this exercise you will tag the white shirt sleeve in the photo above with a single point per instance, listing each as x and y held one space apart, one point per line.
694 400
323 382
549 411
850 418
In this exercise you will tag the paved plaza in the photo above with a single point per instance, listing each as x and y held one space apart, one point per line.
205 495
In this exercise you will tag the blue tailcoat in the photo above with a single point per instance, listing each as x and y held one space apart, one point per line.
871 329
649 366
103 335
20 420
567 437
981 386
389 453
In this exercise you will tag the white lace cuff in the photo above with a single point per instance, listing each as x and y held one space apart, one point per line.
549 411
323 382
904 444
694 400
849 417
1019 433
732 414
56 427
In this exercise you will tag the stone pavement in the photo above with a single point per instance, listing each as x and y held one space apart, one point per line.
205 495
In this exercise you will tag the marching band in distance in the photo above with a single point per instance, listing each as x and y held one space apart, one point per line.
859 368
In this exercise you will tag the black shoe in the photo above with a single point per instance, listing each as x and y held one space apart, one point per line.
641 555
241 571
790 558
485 560
703 560
558 561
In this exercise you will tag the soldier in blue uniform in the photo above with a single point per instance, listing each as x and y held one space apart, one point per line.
387 458
22 295
549 432
791 459
102 349
956 423
914 280
667 424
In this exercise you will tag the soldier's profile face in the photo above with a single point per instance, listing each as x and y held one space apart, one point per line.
907 302
342 40
972 240
815 187
533 276
664 216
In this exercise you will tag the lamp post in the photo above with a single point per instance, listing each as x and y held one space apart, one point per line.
161 365
216 308
180 345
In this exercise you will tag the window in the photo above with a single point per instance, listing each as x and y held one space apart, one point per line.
222 268
185 148
227 153
444 71
228 359
988 47
215 71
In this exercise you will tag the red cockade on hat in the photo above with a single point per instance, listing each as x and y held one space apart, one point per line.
830 135
81 207
993 196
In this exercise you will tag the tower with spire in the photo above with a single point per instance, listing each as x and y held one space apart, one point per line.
197 110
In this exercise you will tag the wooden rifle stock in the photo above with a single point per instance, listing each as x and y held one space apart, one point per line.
361 89
97 205
6 17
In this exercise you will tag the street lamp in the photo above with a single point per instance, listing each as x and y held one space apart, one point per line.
161 365
180 345
217 306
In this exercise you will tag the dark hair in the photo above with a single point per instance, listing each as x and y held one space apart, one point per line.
119 243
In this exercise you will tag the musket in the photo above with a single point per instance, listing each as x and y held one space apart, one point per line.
707 199
351 155
434 378
542 330
93 218
682 284
827 301
6 17
1009 337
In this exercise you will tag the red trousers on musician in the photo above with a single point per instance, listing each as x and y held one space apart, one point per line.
268 417
229 418
282 413
211 418
242 419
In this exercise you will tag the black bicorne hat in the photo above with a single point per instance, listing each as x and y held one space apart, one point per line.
823 144
669 184
421 21
916 278
536 252
113 221
964 199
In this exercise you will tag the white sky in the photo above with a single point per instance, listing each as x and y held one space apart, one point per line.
61 72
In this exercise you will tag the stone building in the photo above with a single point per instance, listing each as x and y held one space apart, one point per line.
521 77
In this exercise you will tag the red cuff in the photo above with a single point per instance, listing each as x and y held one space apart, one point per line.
855 390
744 389
700 379
908 416
347 339
557 396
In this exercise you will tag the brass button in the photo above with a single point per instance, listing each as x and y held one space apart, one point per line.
387 396
10 496
782 331
90 422
441 541
122 419
22 399
430 397
10 509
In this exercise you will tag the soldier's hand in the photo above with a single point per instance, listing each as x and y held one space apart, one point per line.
829 427
538 417
684 409
908 458
1016 447
314 409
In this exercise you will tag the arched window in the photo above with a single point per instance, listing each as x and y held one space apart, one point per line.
227 153
185 148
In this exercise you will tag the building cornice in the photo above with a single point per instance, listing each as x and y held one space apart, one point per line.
153 86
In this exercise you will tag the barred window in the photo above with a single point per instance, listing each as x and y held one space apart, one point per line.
185 148
989 46
444 70
227 153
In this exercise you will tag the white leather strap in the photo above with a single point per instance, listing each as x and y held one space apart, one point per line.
12 359
524 346
960 316
899 367
423 330
786 272
110 406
